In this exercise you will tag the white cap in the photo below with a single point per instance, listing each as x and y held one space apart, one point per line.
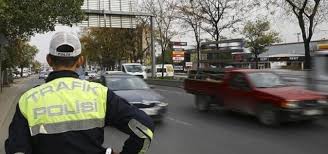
64 38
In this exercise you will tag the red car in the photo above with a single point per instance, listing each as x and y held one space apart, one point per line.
260 93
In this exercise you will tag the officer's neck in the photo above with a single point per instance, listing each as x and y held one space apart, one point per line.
63 68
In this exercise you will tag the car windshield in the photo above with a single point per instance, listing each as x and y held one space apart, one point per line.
266 80
133 68
126 83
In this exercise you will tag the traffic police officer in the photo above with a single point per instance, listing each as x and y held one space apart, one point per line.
67 115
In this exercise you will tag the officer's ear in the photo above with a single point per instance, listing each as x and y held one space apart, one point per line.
49 60
80 62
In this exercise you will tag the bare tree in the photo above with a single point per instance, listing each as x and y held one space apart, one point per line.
309 14
144 27
220 15
191 15
164 11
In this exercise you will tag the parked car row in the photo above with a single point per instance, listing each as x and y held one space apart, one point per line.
18 74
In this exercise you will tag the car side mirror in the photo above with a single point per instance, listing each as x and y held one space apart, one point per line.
151 87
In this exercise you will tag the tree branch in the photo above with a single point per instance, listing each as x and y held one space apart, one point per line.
311 19
293 5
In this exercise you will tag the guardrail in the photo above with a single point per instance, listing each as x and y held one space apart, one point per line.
167 83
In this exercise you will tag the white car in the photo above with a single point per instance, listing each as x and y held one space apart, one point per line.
167 72
135 69
43 75
25 74
91 75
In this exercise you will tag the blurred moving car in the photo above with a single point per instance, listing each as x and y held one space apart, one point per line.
91 75
136 92
135 69
260 93
43 75
319 73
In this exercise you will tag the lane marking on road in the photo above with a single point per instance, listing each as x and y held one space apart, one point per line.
179 121
172 91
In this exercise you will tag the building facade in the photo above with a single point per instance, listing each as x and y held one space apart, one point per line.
234 53
286 55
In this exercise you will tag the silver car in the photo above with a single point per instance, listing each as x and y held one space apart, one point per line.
136 92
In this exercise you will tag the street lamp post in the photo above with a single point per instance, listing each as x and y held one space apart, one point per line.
153 56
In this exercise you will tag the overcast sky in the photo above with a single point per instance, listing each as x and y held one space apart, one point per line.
287 31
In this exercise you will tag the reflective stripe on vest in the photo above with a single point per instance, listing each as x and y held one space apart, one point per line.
64 104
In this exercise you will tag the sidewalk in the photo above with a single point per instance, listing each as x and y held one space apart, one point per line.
8 101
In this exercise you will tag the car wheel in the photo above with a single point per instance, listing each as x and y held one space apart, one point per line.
202 103
267 115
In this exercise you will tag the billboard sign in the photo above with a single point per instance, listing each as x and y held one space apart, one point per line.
323 47
178 56
109 13
188 64
179 43
233 45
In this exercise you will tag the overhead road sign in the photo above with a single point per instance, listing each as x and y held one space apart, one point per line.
179 43
110 13
116 14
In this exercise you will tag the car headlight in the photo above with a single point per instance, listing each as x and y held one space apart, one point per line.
162 104
323 101
291 105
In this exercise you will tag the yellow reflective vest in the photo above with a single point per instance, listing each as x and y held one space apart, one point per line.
64 104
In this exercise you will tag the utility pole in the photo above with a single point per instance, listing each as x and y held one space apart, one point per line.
153 56
298 36
198 48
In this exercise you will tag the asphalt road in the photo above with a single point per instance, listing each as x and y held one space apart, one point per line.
187 131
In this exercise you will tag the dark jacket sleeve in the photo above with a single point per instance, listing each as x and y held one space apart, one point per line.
19 139
131 121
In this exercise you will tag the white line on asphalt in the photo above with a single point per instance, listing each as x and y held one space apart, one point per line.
179 121
172 91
